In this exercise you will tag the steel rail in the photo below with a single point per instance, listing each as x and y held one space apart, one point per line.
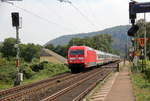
28 91
36 87
79 97
19 88
54 96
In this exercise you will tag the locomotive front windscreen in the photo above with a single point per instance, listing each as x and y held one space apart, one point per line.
77 52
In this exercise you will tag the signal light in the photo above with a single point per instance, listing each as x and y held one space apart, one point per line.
15 19
133 30
132 16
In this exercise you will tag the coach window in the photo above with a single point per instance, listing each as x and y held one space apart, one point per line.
99 56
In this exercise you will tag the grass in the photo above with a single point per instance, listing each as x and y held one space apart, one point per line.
4 86
141 85
44 74
7 75
8 71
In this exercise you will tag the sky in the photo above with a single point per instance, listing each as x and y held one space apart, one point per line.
44 20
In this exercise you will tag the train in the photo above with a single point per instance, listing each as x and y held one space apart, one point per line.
83 57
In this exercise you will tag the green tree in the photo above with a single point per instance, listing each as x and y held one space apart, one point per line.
76 42
62 50
100 42
50 47
8 50
30 51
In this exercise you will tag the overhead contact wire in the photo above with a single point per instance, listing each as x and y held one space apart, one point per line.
88 20
37 16
58 16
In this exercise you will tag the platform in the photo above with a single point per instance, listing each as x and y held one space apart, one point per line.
117 88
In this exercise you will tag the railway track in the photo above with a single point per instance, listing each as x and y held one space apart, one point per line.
52 90
78 90
19 91
58 88
23 87
27 92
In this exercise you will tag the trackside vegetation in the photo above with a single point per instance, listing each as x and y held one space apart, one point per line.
141 84
30 65
32 72
42 71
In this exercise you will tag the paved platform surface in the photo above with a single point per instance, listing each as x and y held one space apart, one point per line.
117 88
122 88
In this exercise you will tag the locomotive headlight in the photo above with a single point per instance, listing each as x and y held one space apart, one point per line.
72 58
81 58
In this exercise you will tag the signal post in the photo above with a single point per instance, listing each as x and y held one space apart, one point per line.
15 23
134 8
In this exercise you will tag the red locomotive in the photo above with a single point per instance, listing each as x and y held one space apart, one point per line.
81 57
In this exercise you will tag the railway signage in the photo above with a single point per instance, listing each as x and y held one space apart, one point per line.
136 7
142 52
142 41
139 7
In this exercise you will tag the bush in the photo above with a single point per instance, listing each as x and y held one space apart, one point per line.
5 77
7 73
27 71
53 69
141 87
35 60
38 67
2 61
147 73
31 72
